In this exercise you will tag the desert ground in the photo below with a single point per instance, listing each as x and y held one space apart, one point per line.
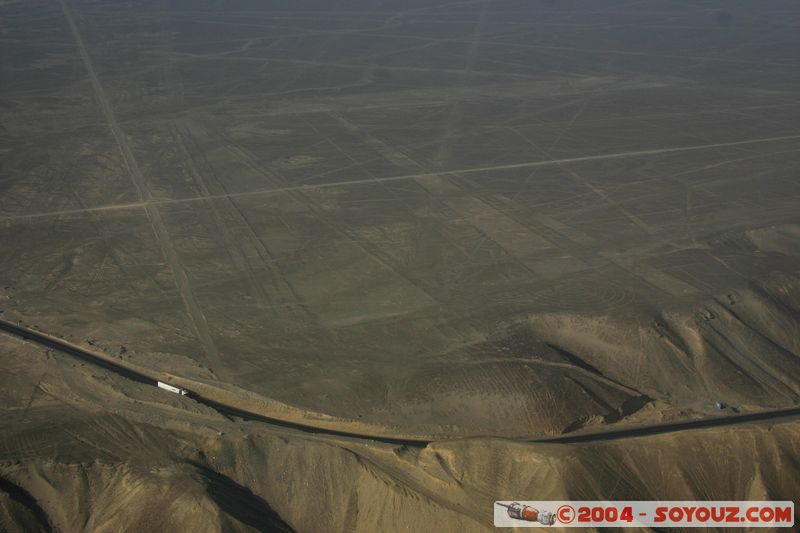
433 239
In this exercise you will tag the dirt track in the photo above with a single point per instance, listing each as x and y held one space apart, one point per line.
48 341
441 253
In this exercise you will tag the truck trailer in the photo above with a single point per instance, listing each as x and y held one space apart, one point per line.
170 388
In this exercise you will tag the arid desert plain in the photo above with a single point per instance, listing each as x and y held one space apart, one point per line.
408 258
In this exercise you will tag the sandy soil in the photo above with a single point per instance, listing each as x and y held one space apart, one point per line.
84 450
469 224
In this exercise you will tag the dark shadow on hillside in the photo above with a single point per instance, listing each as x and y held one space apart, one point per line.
24 498
239 502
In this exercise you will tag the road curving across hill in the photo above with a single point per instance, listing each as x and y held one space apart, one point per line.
206 397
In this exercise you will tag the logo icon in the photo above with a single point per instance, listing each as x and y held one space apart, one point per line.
529 514
565 514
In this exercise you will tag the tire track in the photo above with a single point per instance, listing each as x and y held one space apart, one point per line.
151 378
301 195
456 173
195 314
279 279
238 259
117 367
402 160
110 249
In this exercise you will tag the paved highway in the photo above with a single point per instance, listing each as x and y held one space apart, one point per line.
48 341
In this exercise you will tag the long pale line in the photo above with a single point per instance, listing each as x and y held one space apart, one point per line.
422 175
512 166
163 238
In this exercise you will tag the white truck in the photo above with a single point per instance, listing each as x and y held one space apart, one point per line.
170 388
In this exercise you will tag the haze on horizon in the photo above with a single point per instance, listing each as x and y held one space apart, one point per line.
405 258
